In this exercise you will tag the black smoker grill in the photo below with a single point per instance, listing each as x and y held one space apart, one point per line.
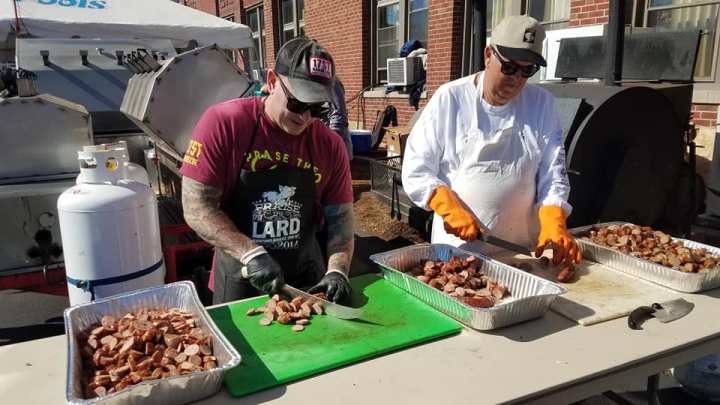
626 142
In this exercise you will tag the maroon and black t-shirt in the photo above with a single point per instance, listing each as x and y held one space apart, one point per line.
220 147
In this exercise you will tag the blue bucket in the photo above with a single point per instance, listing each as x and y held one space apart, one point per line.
361 140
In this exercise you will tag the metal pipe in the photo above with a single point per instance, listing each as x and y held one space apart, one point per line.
479 33
614 41
17 19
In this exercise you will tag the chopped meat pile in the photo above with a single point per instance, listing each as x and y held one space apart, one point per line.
298 311
656 246
140 346
461 279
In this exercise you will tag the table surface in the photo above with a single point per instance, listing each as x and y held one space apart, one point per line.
548 360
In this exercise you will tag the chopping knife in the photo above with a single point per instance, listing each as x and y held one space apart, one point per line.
331 308
499 242
665 312
485 236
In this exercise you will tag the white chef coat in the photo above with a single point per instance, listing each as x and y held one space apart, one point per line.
454 141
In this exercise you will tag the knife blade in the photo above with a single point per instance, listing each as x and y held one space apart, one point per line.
499 242
485 236
664 312
331 308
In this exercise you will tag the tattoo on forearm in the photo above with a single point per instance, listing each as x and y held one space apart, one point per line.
201 206
341 236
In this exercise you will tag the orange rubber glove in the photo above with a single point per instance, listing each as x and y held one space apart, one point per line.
459 220
553 231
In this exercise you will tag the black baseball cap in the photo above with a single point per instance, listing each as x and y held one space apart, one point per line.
309 68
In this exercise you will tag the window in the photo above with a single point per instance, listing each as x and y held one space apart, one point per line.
230 17
396 21
417 20
496 11
256 23
688 15
292 19
553 14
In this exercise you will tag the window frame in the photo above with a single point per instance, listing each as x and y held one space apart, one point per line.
294 24
259 11
403 27
511 7
714 56
526 7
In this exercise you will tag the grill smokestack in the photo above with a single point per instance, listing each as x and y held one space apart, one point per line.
614 40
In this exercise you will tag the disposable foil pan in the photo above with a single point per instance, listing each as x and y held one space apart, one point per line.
172 390
646 269
530 298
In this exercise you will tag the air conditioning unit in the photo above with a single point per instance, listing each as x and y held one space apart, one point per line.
404 71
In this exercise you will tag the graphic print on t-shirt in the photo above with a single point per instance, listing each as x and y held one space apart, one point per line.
265 159
276 219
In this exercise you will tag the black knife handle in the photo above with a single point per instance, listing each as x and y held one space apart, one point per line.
640 315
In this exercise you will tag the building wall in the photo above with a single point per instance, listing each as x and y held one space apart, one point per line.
591 12
346 33
588 12
345 44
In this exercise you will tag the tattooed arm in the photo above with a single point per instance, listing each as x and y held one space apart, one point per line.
201 206
341 236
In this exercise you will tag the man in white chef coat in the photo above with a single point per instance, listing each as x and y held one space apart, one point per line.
486 155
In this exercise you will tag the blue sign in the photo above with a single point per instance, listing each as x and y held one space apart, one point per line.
89 4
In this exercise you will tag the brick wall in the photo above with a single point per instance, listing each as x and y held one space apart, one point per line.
207 6
445 21
445 26
230 7
588 12
705 115
272 14
346 42
344 28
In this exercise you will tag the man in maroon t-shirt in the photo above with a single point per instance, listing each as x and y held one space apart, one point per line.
261 176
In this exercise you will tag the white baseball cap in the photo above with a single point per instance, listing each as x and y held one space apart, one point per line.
519 37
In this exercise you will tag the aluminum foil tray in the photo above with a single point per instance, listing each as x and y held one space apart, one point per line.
530 296
646 269
172 390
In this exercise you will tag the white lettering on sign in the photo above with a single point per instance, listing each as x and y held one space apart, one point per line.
320 67
276 229
90 4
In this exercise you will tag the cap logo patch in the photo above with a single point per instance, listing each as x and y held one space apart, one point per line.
320 67
529 36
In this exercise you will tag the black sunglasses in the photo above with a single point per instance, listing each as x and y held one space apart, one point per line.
510 68
298 107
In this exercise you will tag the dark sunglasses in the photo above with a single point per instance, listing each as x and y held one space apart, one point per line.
298 107
510 68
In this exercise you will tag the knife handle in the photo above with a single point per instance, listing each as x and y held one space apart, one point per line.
640 315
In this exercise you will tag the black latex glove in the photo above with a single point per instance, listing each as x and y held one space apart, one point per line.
265 274
335 286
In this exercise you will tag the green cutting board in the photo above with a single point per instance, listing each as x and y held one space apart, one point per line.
273 355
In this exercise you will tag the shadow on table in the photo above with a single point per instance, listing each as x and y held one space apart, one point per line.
20 334
535 329
712 293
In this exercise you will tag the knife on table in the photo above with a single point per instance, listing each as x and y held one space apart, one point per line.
664 312
331 308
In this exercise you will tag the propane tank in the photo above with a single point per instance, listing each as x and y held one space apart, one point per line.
131 170
110 229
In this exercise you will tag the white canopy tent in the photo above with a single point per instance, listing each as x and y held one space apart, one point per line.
141 19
